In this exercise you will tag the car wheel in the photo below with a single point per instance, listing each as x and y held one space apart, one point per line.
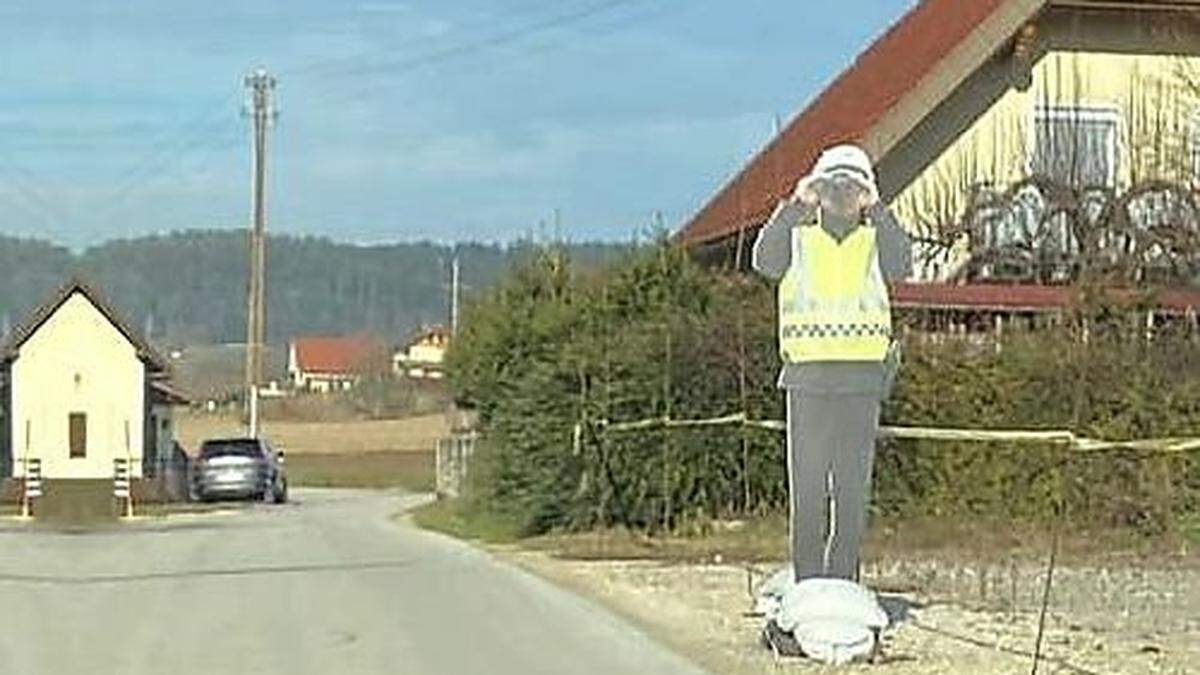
281 495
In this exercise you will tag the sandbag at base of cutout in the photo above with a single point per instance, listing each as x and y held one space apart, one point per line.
834 621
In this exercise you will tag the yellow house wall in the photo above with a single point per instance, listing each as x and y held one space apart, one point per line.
423 353
77 362
1154 106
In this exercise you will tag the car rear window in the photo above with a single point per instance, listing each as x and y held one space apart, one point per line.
232 448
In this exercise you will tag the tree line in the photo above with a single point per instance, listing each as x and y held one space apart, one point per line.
190 287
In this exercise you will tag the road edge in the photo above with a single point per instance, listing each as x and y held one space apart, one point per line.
518 558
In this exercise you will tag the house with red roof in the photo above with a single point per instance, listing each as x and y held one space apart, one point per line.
334 363
973 112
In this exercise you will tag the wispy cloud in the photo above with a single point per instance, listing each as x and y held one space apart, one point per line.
383 7
605 117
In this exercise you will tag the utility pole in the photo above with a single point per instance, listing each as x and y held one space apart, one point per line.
454 295
262 112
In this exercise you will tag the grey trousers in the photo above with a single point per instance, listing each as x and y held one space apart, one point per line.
831 448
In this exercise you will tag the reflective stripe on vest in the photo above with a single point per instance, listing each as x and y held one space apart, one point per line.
833 303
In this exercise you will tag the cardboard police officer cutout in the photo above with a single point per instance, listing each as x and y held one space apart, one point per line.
833 246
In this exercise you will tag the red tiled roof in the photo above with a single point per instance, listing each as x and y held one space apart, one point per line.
1031 298
844 112
337 355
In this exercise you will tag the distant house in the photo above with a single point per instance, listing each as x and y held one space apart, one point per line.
334 363
80 389
422 356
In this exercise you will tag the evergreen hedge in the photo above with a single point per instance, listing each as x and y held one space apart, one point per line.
552 354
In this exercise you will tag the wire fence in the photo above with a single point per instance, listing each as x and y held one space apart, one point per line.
452 457
1033 436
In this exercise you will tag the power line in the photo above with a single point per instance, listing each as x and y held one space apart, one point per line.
197 133
167 143
185 140
649 10
53 214
30 198
199 142
481 44
198 130
334 63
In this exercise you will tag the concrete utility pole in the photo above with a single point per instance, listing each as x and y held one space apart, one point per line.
454 295
262 112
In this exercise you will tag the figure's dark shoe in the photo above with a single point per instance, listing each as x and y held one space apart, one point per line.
779 641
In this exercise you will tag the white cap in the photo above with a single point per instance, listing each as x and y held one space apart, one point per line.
847 160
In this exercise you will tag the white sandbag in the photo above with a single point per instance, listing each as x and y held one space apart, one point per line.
835 599
834 620
835 642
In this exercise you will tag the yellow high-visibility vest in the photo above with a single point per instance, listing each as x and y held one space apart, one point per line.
833 303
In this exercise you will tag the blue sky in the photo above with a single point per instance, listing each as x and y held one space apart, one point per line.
400 120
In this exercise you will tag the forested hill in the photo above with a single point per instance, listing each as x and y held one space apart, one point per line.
191 286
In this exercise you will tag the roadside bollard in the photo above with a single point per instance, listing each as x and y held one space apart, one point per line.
31 486
122 488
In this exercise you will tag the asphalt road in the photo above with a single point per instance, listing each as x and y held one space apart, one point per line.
326 584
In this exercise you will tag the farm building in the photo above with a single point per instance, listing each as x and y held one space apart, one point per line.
80 389
333 363
1017 140
423 354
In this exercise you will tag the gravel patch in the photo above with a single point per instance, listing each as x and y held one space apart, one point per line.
950 617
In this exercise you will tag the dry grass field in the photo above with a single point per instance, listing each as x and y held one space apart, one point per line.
412 434
355 454
412 471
